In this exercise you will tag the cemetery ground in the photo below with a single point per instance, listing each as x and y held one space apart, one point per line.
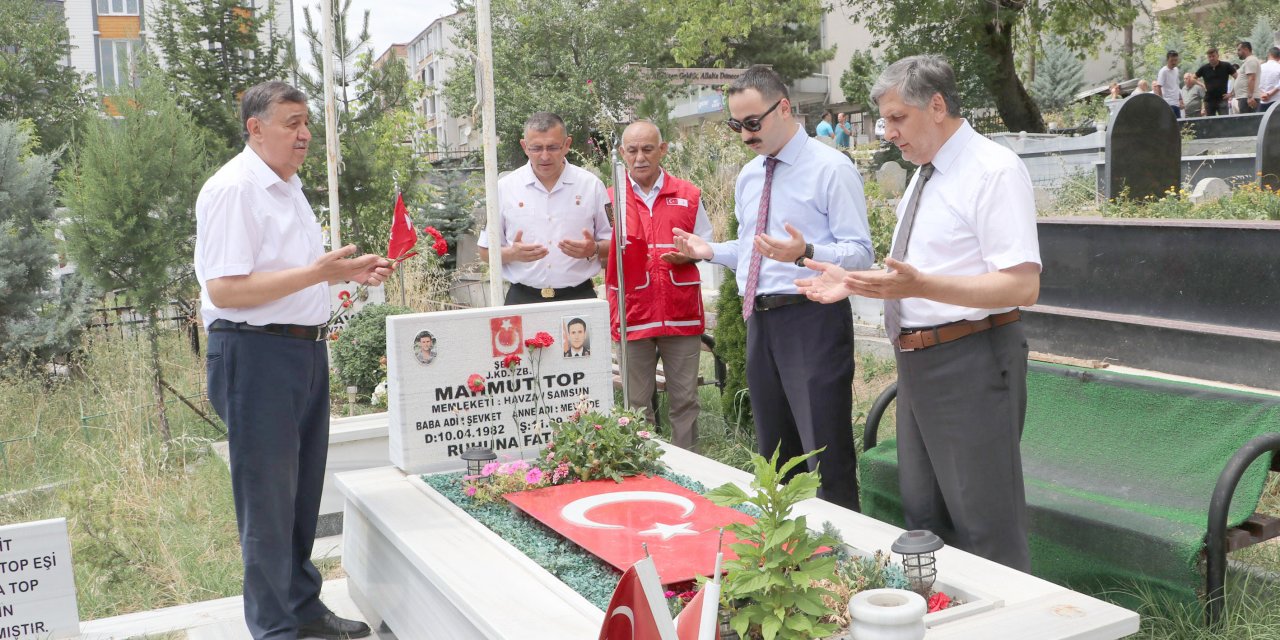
153 526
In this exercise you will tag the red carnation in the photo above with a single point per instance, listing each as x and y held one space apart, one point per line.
511 361
939 601
540 340
344 295
476 383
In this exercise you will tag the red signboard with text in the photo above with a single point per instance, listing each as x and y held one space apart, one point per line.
611 520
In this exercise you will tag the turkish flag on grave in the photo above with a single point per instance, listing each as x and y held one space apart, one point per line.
403 235
612 520
637 610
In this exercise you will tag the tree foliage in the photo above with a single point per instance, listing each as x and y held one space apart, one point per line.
857 79
375 130
213 51
130 192
981 36
728 33
36 83
38 318
1059 75
453 201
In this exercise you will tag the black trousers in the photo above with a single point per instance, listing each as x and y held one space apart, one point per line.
523 294
800 372
273 394
1219 107
961 408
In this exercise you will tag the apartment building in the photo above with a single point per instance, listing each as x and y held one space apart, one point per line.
430 62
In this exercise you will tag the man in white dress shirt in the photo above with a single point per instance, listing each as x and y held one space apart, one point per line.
264 298
965 256
1167 83
554 226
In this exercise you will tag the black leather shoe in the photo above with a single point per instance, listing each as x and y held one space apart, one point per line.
331 627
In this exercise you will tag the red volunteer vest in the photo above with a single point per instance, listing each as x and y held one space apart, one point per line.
662 299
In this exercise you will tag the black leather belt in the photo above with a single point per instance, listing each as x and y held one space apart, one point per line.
771 301
300 331
551 293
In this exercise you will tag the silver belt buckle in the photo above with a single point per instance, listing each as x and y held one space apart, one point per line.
548 292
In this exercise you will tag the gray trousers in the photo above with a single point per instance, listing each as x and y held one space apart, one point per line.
961 407
679 356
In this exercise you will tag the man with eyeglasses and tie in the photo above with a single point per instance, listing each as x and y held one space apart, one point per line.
801 199
965 255
554 227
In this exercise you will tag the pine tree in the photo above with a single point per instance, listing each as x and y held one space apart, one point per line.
38 319
213 51
1059 75
451 211
35 81
131 192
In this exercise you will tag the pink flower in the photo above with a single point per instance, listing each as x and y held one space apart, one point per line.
644 435
504 469
470 491
489 469
939 601
668 594
598 427
519 465
534 476
624 421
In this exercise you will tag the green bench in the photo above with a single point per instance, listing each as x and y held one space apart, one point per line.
1129 479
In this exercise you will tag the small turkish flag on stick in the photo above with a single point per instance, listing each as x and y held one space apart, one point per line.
637 610
403 235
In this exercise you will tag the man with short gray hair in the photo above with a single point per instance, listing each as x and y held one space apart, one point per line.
264 298
965 255
554 229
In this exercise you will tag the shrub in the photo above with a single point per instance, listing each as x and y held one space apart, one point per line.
594 446
359 347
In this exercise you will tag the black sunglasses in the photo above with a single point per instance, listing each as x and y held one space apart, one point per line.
752 123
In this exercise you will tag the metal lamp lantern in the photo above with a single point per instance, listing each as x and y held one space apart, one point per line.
916 548
477 458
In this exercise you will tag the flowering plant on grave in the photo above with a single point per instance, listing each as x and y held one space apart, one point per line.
592 446
497 479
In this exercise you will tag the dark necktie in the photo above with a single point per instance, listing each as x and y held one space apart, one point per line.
893 307
762 224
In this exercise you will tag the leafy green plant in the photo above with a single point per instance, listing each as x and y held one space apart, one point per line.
359 348
593 446
772 587
497 479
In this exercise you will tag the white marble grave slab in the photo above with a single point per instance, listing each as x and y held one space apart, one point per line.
37 586
434 416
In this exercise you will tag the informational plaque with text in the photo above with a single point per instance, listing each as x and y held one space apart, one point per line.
37 586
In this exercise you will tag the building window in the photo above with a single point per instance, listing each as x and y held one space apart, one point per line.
118 7
116 63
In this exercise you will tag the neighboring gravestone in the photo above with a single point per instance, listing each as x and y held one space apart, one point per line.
432 359
37 587
1268 159
892 178
1209 190
1144 149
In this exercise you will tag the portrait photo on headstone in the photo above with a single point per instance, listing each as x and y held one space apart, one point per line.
577 338
424 347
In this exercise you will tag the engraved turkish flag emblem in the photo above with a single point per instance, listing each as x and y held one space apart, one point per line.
506 335
611 520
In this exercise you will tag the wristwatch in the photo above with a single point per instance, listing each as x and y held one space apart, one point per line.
808 253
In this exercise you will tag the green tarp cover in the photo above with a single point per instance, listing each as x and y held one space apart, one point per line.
1119 471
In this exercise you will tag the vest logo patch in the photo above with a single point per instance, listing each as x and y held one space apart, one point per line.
677 202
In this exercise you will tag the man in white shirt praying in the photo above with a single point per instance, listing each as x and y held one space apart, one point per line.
965 255
554 229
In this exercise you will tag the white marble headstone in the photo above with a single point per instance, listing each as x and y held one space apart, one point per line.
434 414
37 586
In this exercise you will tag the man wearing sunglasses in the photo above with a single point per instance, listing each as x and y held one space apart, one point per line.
800 199
965 256
554 228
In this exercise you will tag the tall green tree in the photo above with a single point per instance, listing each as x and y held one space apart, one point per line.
38 318
375 128
36 81
736 33
856 80
981 36
214 50
130 192
571 57
1059 75
453 201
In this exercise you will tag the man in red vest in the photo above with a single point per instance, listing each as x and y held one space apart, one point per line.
664 293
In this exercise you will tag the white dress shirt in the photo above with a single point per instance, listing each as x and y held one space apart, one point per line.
817 190
701 223
546 217
248 220
1269 80
977 215
1168 80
